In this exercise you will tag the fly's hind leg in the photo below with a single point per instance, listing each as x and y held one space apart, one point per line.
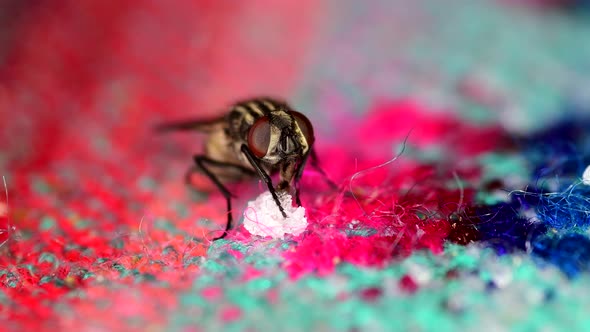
298 175
201 161
315 164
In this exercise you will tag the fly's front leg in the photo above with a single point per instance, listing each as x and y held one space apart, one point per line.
265 177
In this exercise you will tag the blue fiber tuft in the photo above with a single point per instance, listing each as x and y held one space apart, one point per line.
504 228
570 252
559 151
566 210
547 218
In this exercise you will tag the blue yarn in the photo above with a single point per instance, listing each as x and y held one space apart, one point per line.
502 228
546 220
562 150
559 152
569 252
566 210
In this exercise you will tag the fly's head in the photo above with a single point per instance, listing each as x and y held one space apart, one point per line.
281 139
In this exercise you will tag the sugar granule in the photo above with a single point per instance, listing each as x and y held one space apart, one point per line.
263 217
586 176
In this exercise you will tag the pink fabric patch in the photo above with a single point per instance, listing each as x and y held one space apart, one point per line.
388 211
388 122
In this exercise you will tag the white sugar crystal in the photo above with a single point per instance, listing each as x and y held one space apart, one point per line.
263 217
586 176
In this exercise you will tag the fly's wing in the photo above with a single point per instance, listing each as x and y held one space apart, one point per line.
199 125
270 99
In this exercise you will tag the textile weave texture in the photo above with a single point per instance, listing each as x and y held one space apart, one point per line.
457 133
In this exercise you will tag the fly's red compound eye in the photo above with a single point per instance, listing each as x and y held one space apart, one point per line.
305 126
259 137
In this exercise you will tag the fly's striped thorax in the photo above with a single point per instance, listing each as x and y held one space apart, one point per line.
244 114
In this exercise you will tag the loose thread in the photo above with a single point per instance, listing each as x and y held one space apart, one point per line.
373 168
9 227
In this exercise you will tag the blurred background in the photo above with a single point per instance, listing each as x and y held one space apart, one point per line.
99 74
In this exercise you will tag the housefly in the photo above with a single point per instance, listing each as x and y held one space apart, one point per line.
256 137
